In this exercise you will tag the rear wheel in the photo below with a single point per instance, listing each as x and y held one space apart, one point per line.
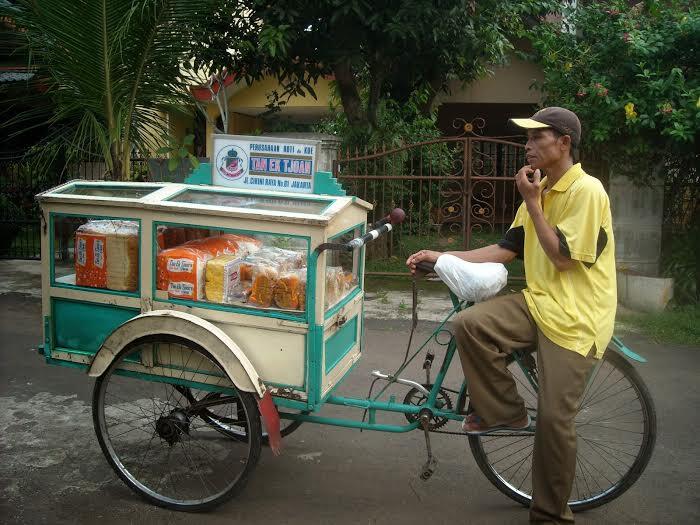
160 441
616 429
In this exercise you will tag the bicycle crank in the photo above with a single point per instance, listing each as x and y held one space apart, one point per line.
425 416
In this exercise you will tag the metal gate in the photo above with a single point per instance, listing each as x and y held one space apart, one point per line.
458 192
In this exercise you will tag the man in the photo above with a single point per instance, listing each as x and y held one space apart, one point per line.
563 232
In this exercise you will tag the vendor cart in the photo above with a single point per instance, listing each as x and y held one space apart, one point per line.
200 309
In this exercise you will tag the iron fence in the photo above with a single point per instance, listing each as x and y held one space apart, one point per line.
458 192
19 212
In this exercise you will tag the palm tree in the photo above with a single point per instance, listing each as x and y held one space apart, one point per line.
112 67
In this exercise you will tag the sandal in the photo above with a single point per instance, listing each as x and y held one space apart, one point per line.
474 425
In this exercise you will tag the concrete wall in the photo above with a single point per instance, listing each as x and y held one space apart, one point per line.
507 85
637 220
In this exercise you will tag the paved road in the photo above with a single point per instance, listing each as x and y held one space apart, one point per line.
52 470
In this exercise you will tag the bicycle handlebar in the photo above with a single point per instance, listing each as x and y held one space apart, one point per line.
382 226
425 267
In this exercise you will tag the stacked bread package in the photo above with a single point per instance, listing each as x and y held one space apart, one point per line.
107 254
182 270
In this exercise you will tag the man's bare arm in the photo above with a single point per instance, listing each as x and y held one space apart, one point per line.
491 253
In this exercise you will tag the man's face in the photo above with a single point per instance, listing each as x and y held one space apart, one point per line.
543 149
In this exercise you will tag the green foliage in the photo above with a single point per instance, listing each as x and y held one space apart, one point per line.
109 68
398 125
177 152
681 261
631 74
391 48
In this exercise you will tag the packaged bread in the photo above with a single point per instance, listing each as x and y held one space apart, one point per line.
286 260
215 246
302 293
181 272
223 279
107 254
263 285
334 285
289 288
245 242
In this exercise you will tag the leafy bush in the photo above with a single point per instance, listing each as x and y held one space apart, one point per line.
631 75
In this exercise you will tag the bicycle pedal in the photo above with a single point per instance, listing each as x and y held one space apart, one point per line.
428 469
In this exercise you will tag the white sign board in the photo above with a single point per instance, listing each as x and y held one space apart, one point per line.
264 163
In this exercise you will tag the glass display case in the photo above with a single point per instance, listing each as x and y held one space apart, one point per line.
246 262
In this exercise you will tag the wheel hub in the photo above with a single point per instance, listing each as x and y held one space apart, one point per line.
172 426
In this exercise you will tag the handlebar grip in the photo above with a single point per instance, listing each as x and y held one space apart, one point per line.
425 267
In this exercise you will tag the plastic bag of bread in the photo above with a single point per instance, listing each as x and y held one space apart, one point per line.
289 289
286 260
335 285
107 254
223 278
302 292
215 246
181 272
263 285
245 242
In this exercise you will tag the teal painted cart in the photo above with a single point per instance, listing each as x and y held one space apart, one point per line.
217 320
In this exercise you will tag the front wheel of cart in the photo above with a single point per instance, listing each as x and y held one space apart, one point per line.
158 440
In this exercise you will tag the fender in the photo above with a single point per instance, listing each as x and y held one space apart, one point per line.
171 322
624 350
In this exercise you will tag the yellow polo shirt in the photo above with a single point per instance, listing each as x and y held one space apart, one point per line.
574 308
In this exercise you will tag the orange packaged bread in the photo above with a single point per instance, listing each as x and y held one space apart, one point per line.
181 272
302 293
107 254
263 287
288 289
245 242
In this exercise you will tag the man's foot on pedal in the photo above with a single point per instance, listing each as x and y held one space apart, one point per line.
474 425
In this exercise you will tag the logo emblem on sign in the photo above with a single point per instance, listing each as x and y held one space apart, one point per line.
232 163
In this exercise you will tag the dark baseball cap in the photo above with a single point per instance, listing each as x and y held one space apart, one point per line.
561 119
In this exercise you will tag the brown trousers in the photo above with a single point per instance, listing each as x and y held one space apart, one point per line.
485 334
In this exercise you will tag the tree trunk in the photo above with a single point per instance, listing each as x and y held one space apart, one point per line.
377 73
435 86
349 96
116 162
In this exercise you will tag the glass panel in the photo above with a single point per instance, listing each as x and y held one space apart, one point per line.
96 253
253 202
342 270
263 271
123 192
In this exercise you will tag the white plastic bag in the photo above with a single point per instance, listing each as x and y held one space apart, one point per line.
471 281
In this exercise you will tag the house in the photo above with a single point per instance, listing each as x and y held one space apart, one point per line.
506 92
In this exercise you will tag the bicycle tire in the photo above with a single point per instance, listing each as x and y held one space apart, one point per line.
641 460
190 466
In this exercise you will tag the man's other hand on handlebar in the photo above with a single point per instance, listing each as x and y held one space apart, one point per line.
422 256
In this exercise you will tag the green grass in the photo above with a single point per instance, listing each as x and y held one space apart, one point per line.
680 324
405 245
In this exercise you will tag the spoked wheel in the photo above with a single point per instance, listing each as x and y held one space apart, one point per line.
616 428
229 426
161 442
